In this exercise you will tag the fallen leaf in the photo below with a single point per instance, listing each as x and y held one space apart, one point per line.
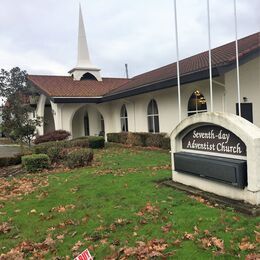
188 236
246 246
257 236
166 228
177 242
60 237
5 227
252 257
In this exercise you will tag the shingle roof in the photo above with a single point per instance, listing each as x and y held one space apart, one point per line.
62 86
221 56
65 86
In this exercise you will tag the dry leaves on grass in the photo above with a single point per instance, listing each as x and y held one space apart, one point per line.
5 227
209 242
76 247
153 248
62 209
166 228
148 209
252 257
122 172
26 248
17 187
246 246
202 200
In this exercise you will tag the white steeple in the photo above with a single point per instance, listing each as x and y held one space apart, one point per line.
84 64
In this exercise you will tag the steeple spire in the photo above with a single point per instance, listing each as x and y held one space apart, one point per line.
84 64
83 54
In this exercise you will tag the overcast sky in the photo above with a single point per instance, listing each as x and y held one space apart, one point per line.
40 36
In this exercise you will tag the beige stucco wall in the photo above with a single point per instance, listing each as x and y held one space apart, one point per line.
250 88
225 98
167 105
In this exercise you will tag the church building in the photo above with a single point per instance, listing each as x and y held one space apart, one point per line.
85 103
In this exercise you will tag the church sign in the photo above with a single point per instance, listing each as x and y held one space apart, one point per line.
213 139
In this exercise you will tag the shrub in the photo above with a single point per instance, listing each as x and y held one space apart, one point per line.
43 148
117 137
134 139
58 135
123 137
141 139
8 161
79 158
36 162
113 137
154 140
55 154
166 143
96 142
79 142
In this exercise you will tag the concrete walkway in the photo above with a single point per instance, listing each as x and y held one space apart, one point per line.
9 150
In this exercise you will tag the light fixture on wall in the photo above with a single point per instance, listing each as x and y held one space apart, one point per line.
245 99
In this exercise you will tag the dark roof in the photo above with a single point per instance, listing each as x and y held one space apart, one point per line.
65 86
191 69
221 56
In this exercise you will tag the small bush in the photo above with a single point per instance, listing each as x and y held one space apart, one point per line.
154 140
117 137
166 143
113 137
79 158
79 142
141 139
134 139
36 162
96 142
123 137
55 154
8 161
43 148
58 135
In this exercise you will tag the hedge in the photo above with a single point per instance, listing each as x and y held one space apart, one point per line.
55 154
43 148
57 135
79 158
36 162
96 142
93 142
160 140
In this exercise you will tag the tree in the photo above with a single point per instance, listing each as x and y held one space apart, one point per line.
17 123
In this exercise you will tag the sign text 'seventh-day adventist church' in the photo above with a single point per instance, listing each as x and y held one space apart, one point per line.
215 139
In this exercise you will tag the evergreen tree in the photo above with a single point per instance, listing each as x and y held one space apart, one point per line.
17 123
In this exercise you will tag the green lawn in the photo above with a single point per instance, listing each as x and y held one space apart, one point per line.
117 208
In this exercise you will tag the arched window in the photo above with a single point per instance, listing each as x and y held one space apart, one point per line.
124 119
197 103
88 76
153 117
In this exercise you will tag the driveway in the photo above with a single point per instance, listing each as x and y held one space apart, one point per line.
9 150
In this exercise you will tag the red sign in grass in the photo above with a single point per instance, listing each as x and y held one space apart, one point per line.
85 255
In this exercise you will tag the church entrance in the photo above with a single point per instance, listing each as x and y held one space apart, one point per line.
87 121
